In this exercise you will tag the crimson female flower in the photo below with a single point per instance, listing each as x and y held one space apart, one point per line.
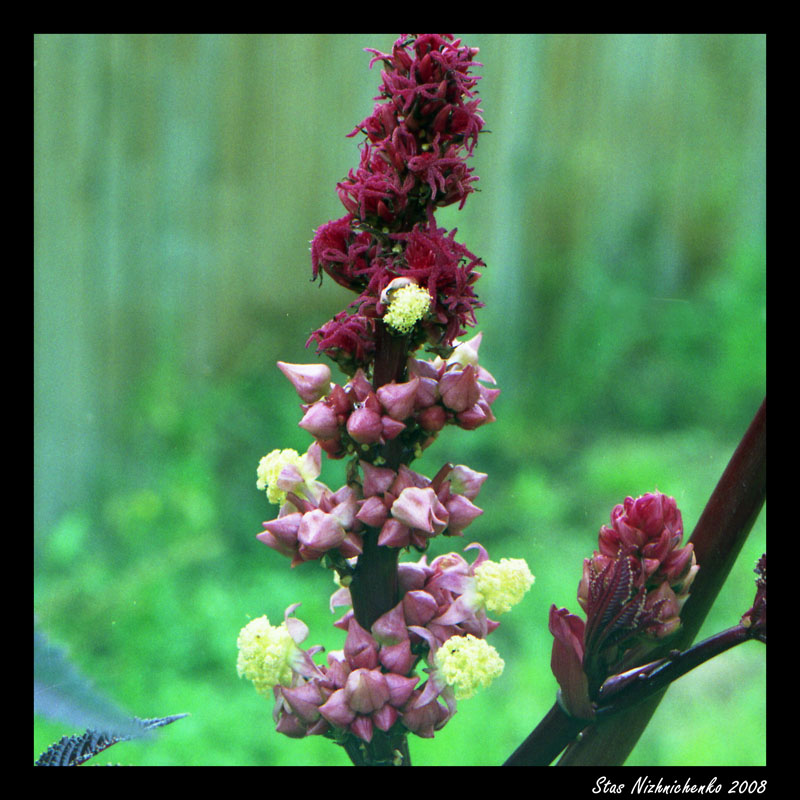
426 78
342 252
423 128
348 339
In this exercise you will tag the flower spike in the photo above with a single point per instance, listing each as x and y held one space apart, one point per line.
414 288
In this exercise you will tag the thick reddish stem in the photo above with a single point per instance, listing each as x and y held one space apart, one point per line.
374 589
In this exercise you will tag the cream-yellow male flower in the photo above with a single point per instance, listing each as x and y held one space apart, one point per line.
266 655
286 470
502 585
467 663
407 306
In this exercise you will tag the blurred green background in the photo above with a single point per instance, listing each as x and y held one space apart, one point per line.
178 180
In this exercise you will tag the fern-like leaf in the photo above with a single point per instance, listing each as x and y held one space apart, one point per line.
72 751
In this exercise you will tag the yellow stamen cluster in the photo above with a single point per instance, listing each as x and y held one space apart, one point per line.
265 655
502 585
269 468
467 664
409 304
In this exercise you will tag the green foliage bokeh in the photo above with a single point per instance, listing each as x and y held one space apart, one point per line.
178 180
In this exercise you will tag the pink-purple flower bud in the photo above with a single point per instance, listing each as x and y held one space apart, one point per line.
366 690
427 392
373 512
291 726
321 421
361 726
427 719
460 389
337 709
310 381
390 628
398 657
475 416
385 717
360 649
399 398
377 480
391 428
432 419
318 533
394 534
281 534
360 386
400 687
365 426
420 508
304 700
466 481
461 513
419 607
650 528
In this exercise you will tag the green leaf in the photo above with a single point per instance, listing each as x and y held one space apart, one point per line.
72 751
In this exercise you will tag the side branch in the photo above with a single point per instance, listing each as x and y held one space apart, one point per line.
717 538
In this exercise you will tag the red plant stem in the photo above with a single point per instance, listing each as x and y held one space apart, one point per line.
374 589
556 730
725 523
657 676
391 355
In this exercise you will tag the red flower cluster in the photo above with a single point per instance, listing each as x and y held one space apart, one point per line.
424 126
425 117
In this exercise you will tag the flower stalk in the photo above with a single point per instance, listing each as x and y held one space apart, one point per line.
374 589
628 689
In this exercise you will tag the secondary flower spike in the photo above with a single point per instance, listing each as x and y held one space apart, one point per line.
632 590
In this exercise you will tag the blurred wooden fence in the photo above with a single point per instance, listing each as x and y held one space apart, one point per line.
178 179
